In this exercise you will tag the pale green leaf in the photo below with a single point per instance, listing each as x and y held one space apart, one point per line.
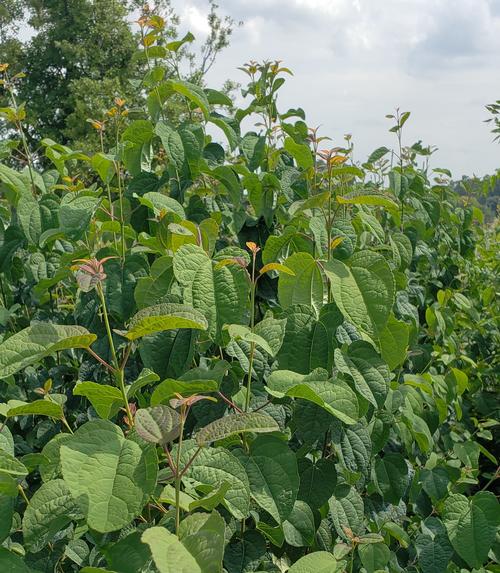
305 286
37 341
166 316
231 424
109 477
364 290
335 396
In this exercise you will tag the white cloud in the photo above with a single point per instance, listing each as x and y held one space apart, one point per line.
356 60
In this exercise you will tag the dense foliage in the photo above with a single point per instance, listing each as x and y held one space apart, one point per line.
251 357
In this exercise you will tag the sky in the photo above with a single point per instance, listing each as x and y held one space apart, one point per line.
354 61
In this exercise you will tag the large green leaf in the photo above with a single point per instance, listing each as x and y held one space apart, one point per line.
309 339
106 400
12 563
299 527
161 204
273 475
11 466
472 525
335 396
38 408
109 477
364 290
203 536
393 342
213 466
50 510
347 511
392 477
166 316
169 554
370 373
39 340
434 553
317 481
170 387
221 293
317 562
255 422
305 286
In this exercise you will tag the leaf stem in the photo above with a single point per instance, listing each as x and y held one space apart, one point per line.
118 371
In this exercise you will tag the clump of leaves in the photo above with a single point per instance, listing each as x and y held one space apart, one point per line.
255 356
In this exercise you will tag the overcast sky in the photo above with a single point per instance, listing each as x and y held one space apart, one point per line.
354 61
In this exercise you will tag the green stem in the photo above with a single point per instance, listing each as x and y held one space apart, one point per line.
178 477
252 345
119 371
23 494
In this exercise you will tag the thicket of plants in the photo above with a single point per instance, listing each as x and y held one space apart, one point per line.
250 357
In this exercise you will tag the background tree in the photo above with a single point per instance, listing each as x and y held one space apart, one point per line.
80 56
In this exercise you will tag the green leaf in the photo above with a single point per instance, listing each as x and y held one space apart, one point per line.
472 525
335 396
39 340
38 408
317 481
151 290
299 527
434 554
355 448
10 466
172 143
6 514
435 482
267 334
374 556
317 562
169 554
12 563
393 342
212 466
305 286
6 440
169 388
392 477
128 555
106 400
364 290
309 340
365 197
192 92
273 476
75 213
109 476
203 536
347 511
301 153
160 203
160 424
245 555
30 218
231 424
220 294
370 373
50 510
166 316
145 378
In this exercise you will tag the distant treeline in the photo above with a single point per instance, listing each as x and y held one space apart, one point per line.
485 190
